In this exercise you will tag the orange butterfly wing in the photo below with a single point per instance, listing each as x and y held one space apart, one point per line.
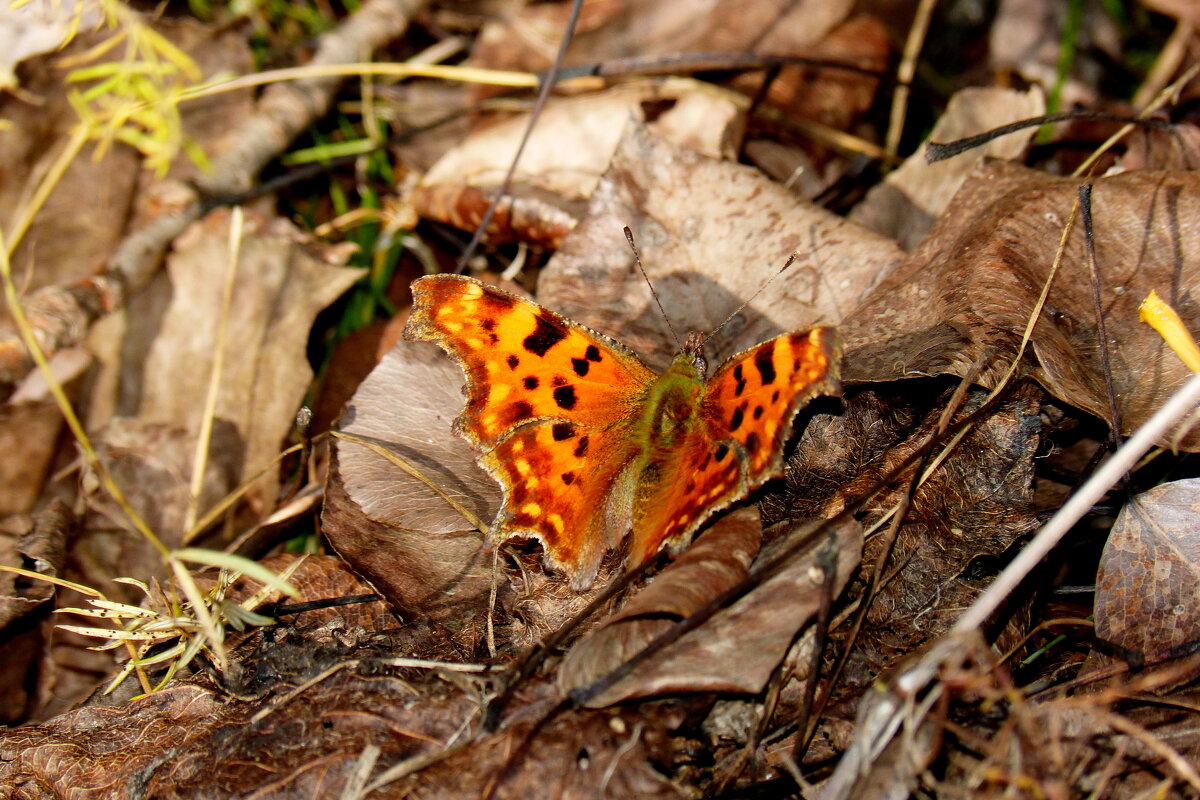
746 417
549 406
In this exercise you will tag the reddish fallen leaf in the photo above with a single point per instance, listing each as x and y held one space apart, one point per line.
1146 596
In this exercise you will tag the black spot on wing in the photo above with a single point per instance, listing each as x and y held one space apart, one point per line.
488 324
722 451
758 412
531 382
592 353
735 422
565 397
581 448
568 478
547 333
561 431
764 362
581 366
512 361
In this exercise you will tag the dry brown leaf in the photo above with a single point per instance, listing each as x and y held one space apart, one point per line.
278 290
970 287
568 150
392 526
29 438
24 607
712 234
906 204
84 218
1146 596
737 650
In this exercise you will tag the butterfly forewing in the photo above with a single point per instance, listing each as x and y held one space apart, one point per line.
522 361
754 396
549 403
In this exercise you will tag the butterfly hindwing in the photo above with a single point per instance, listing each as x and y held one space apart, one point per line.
559 479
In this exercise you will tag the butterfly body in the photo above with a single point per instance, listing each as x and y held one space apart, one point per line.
589 444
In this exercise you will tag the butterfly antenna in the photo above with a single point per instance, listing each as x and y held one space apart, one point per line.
637 257
791 260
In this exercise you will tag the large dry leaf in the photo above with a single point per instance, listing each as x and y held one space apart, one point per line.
1146 587
905 205
969 289
279 288
712 235
391 523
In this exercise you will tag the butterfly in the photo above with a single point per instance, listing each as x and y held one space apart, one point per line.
589 444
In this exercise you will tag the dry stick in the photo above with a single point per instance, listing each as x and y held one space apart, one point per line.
543 95
1182 403
200 458
904 76
283 111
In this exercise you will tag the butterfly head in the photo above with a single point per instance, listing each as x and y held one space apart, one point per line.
693 349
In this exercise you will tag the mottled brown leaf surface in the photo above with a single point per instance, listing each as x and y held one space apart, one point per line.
971 286
960 522
735 651
711 234
1147 585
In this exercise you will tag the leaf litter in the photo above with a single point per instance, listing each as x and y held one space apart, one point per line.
832 660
